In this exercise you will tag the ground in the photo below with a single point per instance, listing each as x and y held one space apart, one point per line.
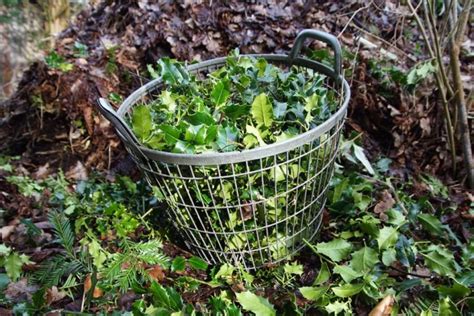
76 214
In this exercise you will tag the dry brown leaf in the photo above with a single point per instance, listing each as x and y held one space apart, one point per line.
386 202
156 273
384 307
54 295
87 286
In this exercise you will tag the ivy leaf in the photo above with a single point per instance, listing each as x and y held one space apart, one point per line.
258 305
323 274
364 259
336 250
346 273
313 293
262 110
439 260
388 236
347 290
220 92
141 121
431 224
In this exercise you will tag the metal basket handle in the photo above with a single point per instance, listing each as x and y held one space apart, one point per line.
119 124
329 39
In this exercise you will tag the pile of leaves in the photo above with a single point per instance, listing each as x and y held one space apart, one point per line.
387 246
244 104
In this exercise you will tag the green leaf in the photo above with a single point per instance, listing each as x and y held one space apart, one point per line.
323 274
220 93
364 259
293 268
262 110
347 290
253 131
313 293
168 100
258 305
448 308
171 133
311 103
197 263
431 224
387 238
12 264
337 307
171 71
336 249
227 138
389 256
178 264
141 121
439 260
457 290
347 273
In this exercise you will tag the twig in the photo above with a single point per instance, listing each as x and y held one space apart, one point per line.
455 43
352 17
411 273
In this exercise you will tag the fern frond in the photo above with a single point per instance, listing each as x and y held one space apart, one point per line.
63 231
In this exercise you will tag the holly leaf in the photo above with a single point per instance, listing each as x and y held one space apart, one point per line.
389 256
388 236
364 259
313 293
178 264
347 273
431 224
262 110
141 121
220 93
12 264
336 250
347 290
197 263
227 138
258 305
439 260
323 274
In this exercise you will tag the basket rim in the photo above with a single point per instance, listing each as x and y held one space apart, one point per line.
220 158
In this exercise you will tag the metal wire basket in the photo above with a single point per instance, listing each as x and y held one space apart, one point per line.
279 189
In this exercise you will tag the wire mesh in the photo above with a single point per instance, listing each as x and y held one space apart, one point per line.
253 212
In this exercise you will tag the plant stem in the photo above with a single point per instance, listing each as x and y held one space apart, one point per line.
455 43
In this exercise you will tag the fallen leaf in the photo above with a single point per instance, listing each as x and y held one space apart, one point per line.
156 273
54 295
386 202
87 286
6 231
384 307
20 291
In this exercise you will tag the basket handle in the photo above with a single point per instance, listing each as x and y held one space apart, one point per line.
119 124
327 38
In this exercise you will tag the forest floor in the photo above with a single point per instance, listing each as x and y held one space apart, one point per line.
81 232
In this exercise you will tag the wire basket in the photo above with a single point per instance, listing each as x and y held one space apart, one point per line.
253 207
